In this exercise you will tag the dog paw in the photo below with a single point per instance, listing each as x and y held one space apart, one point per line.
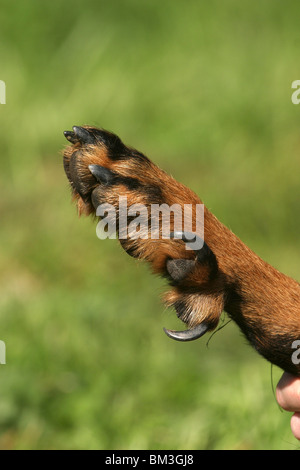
147 206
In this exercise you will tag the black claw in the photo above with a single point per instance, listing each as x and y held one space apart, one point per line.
188 335
70 136
178 269
83 135
102 174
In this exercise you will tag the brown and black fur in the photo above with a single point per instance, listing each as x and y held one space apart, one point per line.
262 301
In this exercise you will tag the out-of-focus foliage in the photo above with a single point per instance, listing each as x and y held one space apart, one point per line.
204 89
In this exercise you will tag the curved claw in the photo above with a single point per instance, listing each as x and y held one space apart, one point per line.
188 335
102 174
70 136
83 135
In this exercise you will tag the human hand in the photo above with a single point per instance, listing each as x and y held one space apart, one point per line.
288 397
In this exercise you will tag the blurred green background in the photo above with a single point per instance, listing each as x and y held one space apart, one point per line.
204 89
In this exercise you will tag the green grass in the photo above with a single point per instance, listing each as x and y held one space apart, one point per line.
204 89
